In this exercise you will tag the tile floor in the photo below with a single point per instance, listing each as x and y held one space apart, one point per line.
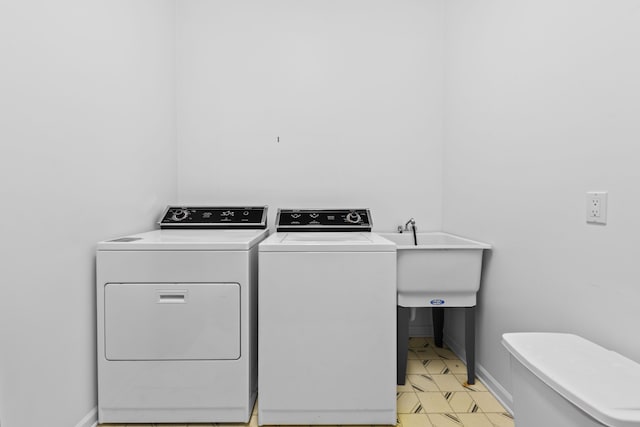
434 395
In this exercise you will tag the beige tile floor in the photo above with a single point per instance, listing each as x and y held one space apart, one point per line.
434 395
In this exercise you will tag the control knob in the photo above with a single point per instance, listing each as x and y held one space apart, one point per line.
353 218
180 214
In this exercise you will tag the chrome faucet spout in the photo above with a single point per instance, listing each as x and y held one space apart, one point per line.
413 224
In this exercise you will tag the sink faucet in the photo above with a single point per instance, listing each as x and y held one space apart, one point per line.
413 225
413 229
406 226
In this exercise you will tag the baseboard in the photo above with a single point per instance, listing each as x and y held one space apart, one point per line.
89 420
503 396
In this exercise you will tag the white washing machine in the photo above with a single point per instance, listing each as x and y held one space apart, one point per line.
177 318
327 321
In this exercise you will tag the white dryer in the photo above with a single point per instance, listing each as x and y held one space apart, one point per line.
327 321
177 318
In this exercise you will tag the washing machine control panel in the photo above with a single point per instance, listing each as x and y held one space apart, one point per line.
323 220
220 217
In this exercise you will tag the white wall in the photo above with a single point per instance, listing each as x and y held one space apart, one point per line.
542 102
86 153
353 88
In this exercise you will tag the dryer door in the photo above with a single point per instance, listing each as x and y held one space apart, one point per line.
172 321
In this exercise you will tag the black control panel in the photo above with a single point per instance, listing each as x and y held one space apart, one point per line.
225 217
323 220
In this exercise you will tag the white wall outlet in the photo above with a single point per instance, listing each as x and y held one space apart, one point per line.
597 207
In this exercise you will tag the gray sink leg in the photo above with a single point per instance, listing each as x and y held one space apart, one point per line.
437 314
470 342
403 314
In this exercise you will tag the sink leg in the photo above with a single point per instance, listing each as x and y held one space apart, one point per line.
470 342
437 313
403 314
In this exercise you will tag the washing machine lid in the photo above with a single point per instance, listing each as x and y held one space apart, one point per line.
326 242
601 382
168 240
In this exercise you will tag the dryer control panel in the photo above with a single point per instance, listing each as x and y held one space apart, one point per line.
323 220
219 217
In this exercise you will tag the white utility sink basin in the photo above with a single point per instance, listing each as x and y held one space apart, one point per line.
443 270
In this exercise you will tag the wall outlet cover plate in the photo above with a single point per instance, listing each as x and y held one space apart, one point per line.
596 212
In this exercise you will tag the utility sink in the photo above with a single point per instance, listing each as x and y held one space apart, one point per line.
443 270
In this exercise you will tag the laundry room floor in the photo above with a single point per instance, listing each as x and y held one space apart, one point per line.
434 395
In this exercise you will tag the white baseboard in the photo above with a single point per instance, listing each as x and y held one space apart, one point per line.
89 420
503 396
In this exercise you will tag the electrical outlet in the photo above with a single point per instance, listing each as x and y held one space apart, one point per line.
597 207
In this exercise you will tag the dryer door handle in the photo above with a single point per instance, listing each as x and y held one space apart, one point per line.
172 297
